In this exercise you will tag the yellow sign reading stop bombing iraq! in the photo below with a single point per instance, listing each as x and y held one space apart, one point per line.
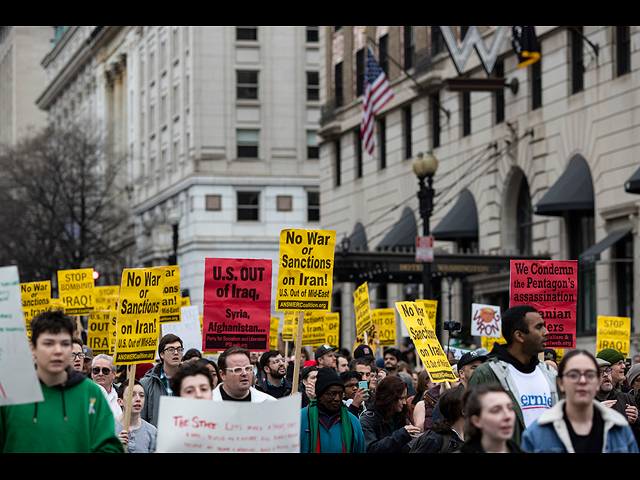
76 290
305 273
426 341
138 322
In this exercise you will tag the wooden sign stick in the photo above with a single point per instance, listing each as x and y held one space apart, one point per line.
298 346
127 414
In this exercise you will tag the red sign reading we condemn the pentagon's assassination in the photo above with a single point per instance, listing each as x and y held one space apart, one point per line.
551 287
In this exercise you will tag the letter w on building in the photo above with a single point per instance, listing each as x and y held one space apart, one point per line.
473 38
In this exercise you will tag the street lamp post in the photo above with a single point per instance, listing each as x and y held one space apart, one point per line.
425 166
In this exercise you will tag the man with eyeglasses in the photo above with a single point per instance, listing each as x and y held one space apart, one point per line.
77 355
274 381
103 373
156 381
611 397
236 373
326 425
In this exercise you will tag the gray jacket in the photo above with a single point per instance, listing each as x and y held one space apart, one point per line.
153 390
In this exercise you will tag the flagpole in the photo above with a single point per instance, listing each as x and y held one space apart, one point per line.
411 77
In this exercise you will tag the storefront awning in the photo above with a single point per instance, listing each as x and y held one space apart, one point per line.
402 234
461 221
358 238
633 184
572 192
592 254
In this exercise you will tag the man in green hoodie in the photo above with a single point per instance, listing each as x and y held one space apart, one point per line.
74 416
529 381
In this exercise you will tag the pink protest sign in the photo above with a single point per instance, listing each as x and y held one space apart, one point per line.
237 304
551 286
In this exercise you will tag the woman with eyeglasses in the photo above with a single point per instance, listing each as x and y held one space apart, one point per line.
578 423
387 423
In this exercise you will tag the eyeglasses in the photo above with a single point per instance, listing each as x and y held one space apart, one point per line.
240 370
104 370
77 355
278 360
334 394
606 371
574 376
173 349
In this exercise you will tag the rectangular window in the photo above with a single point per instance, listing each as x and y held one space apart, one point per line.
313 206
437 41
360 68
577 60
536 85
313 151
248 206
248 142
383 53
358 142
339 94
382 144
409 46
407 132
435 120
213 203
247 33
313 35
499 95
466 114
284 203
338 163
313 86
247 84
623 51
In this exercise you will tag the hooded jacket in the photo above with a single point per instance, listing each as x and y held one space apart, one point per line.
153 390
73 418
496 368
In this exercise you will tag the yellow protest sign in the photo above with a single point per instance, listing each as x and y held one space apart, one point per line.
112 304
362 308
487 342
431 308
273 333
384 320
613 332
289 326
424 338
101 294
332 329
58 304
36 298
76 290
305 274
98 337
313 328
171 301
138 323
185 302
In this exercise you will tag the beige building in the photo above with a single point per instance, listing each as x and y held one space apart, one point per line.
533 163
21 80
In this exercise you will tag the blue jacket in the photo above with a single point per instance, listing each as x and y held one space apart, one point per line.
549 434
330 440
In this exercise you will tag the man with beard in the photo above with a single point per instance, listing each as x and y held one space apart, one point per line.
611 397
274 381
529 381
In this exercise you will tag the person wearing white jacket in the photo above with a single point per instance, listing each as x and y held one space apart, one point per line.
236 373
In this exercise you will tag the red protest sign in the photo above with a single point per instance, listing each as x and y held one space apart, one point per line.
551 286
237 304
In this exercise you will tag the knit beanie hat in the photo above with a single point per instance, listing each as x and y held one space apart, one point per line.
327 377
610 355
633 373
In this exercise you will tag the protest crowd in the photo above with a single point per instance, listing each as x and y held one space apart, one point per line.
516 398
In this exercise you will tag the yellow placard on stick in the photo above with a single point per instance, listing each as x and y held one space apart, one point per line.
305 273
332 329
36 298
101 294
613 332
76 290
171 301
384 319
138 323
98 333
424 338
362 308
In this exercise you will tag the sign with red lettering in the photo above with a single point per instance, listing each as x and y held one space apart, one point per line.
237 304
551 286
424 249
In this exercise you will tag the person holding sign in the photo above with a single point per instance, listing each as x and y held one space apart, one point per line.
386 423
74 416
236 373
530 382
141 436
577 424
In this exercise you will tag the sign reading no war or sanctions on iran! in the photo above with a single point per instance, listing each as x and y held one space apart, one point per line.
237 304
137 325
551 287
424 338
76 290
305 274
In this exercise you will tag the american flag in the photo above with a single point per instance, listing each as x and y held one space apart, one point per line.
376 94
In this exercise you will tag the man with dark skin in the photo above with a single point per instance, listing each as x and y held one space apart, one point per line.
517 367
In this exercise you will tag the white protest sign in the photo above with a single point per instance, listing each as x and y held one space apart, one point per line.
486 320
198 426
19 383
188 328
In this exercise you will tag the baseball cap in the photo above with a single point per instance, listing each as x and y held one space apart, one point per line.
322 349
363 351
470 357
